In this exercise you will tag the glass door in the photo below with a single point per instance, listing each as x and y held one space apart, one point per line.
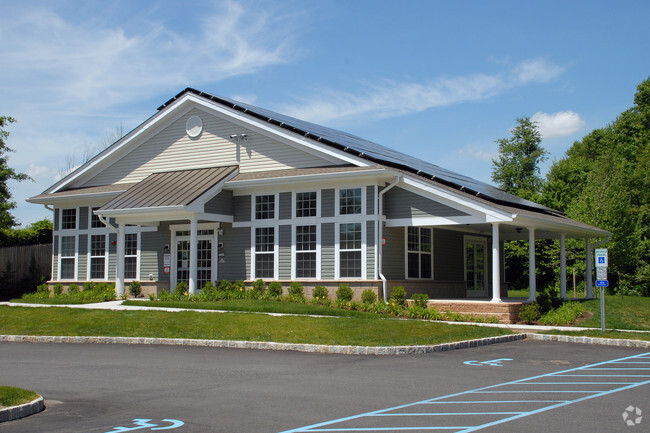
476 267
205 257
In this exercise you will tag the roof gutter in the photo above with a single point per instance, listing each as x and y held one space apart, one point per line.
380 231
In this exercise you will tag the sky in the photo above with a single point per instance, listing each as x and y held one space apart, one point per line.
440 80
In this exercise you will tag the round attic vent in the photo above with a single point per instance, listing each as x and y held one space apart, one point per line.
194 126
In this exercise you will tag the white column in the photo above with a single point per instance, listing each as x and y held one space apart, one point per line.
193 254
562 266
590 291
119 267
532 280
496 266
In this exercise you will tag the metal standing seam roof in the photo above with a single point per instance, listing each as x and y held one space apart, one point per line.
173 188
373 152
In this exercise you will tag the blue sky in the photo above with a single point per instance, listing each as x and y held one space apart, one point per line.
438 80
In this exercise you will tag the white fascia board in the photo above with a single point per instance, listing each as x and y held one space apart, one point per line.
276 132
107 195
435 221
241 186
455 201
559 227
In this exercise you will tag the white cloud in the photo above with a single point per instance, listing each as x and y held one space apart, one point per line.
41 172
482 154
557 124
393 98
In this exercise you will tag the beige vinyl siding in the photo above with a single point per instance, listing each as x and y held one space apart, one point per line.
393 253
171 149
399 203
284 254
327 251
237 253
370 250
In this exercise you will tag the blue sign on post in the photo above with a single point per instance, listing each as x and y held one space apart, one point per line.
602 283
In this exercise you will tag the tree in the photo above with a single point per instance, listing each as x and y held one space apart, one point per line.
6 174
516 170
74 160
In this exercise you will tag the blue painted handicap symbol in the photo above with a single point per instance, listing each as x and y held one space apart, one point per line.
141 423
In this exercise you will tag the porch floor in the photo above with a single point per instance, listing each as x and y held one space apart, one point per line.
507 311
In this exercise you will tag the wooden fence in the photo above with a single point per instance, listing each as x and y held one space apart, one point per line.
16 263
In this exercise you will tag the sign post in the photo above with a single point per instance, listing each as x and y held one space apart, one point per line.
601 281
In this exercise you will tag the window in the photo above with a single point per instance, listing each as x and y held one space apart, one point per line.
264 207
419 241
264 252
350 250
68 248
131 256
306 251
98 256
95 222
350 201
306 204
68 219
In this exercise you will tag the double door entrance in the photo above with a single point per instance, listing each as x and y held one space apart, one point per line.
205 252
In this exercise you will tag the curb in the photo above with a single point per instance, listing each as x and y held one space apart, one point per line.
16 412
641 344
261 345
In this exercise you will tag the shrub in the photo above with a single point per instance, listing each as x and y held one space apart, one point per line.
398 295
368 296
209 292
296 289
259 286
354 305
73 289
88 286
394 308
43 289
530 313
421 300
344 293
135 288
379 307
239 289
58 289
180 292
565 315
224 286
275 289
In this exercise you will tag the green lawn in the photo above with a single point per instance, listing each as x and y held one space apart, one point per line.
629 312
364 331
607 334
11 396
257 306
55 301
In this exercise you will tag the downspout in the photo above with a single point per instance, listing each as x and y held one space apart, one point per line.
380 230
106 223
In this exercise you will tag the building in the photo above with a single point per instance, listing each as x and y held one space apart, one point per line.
210 189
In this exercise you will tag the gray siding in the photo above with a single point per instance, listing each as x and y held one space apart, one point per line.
327 203
284 244
448 252
112 254
57 214
393 253
285 206
152 246
370 250
55 255
242 208
83 218
370 200
399 203
221 204
327 251
82 250
236 250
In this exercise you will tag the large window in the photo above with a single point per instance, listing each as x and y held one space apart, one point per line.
306 204
350 201
68 219
98 257
350 250
264 252
419 246
306 251
264 207
95 222
131 256
68 248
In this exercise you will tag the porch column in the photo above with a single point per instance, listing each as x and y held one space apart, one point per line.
119 266
562 267
532 280
496 266
193 254
588 282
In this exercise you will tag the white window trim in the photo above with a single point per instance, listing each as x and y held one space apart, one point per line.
294 207
174 247
337 251
486 270
407 251
337 202
76 255
276 207
276 255
294 252
76 221
137 256
89 256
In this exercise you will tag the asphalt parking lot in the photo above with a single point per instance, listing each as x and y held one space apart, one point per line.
518 386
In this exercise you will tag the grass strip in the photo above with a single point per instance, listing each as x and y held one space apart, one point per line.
55 301
629 312
257 306
357 331
607 334
12 396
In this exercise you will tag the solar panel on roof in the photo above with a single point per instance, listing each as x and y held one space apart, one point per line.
377 152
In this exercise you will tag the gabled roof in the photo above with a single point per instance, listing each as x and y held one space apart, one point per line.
372 151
